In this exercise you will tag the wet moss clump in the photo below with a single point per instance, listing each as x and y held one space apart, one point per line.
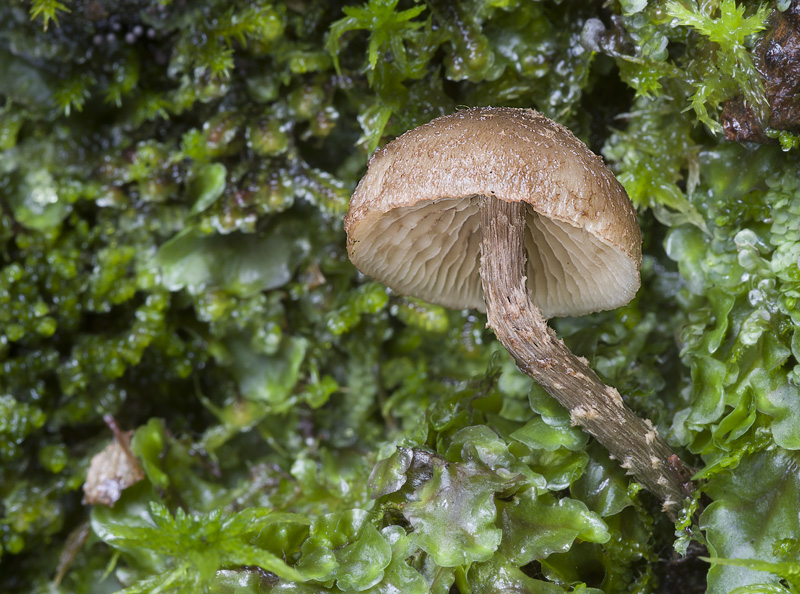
175 293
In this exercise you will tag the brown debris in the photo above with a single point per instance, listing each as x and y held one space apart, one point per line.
113 470
741 124
75 541
313 276
777 58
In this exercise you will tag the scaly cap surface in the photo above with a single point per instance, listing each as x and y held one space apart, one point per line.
413 221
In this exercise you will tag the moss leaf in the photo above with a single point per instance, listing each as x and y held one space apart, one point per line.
755 508
454 514
535 527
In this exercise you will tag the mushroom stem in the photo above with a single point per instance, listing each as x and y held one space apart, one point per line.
521 328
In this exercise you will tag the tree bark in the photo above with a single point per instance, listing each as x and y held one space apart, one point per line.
597 408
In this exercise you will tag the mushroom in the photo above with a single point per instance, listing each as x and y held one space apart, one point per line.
506 211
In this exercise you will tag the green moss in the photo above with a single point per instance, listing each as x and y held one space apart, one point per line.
48 10
172 185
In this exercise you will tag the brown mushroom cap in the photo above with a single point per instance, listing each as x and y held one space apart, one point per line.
414 220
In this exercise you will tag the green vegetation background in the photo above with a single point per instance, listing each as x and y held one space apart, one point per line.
173 179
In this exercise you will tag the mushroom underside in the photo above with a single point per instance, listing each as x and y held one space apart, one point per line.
432 250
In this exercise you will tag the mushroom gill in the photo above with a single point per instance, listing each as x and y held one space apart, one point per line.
432 250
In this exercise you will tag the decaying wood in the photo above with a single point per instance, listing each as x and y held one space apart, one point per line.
594 406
